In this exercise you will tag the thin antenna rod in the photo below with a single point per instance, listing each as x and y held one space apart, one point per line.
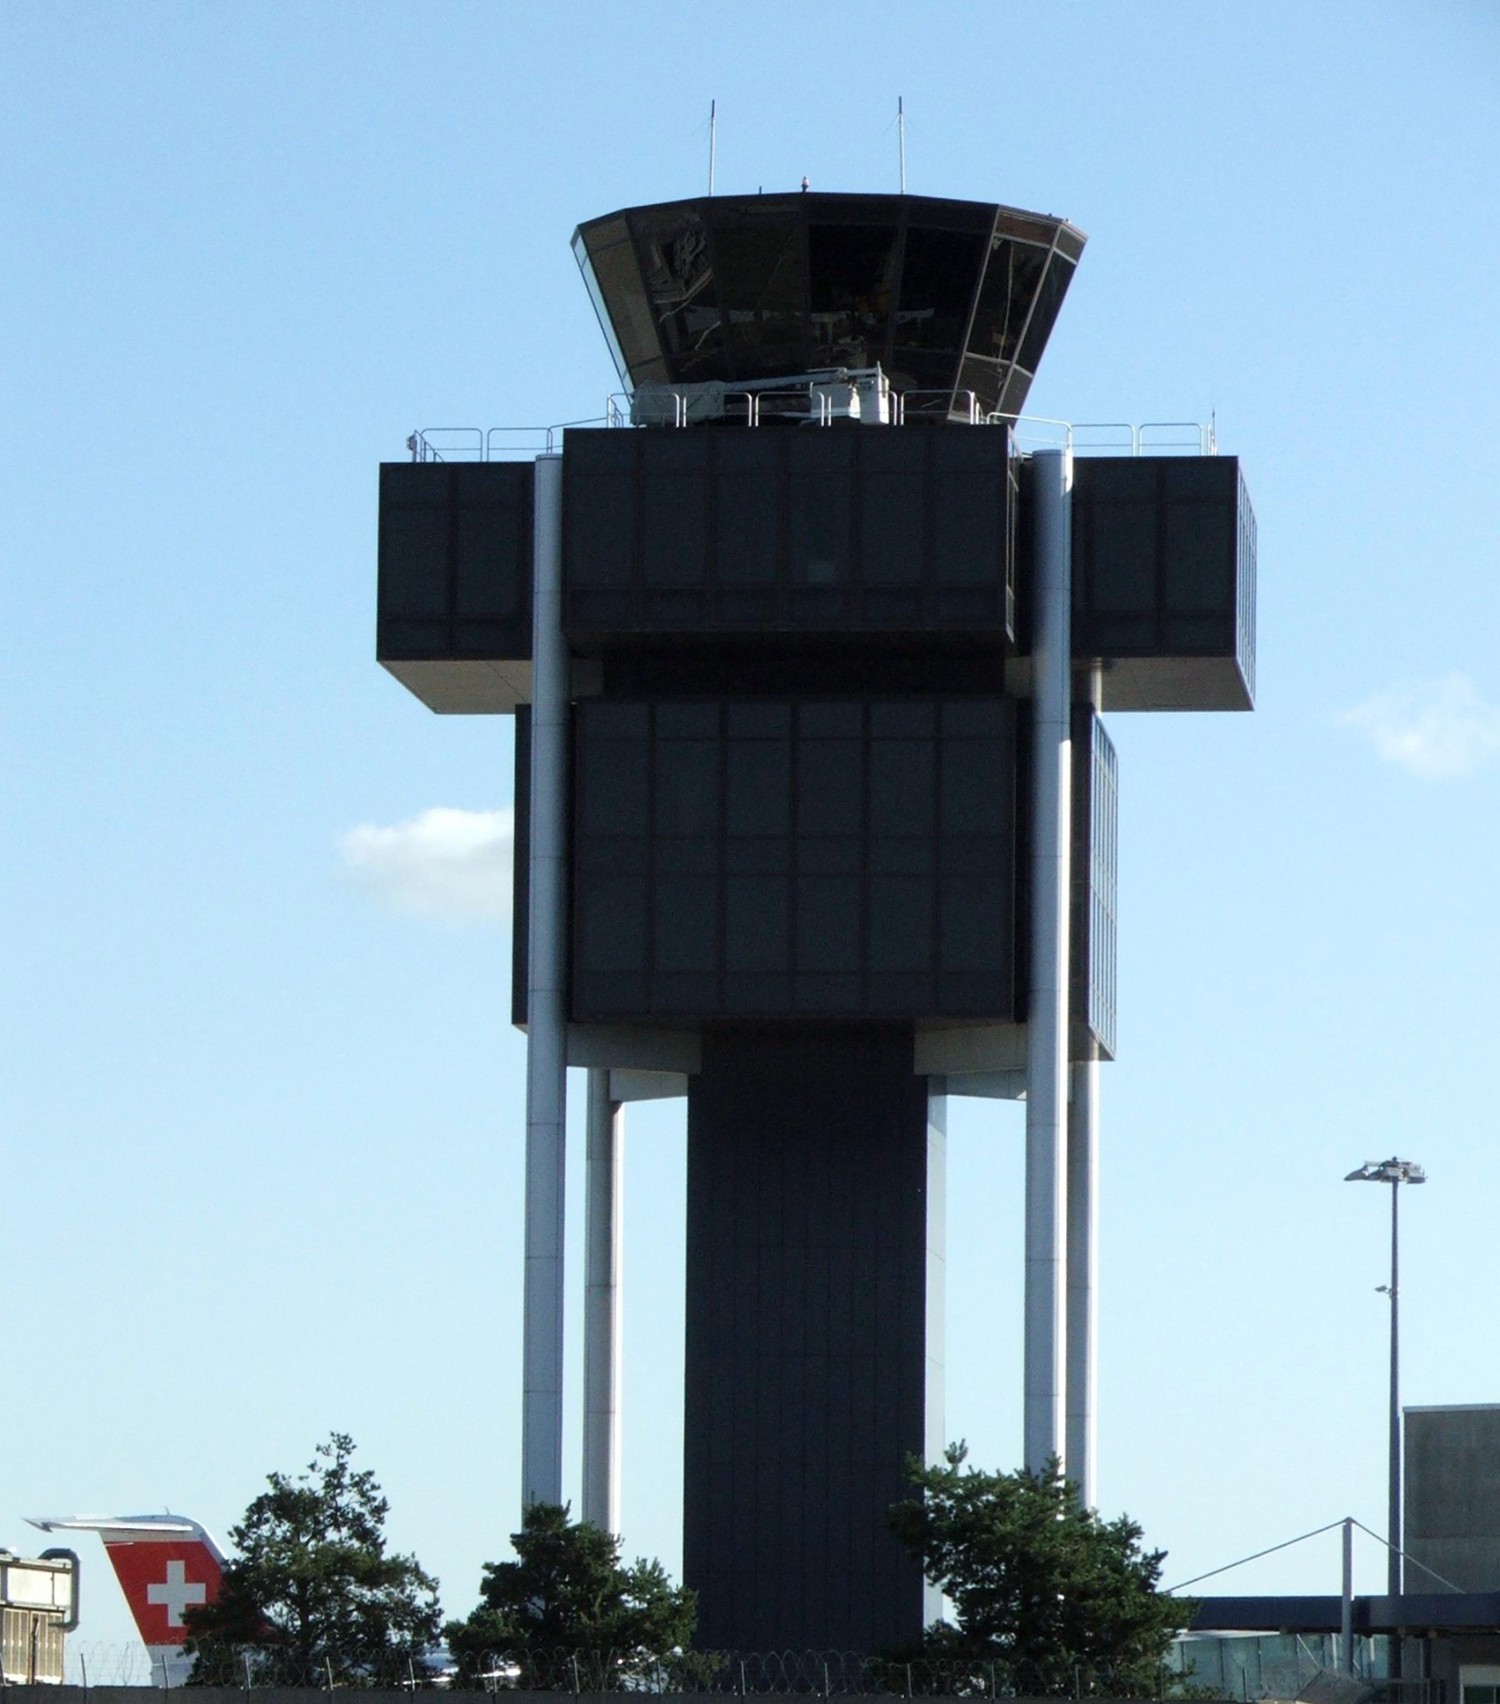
901 138
713 141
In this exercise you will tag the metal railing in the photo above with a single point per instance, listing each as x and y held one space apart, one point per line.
665 407
1111 437
499 443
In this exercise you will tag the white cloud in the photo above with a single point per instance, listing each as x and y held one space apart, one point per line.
443 862
1436 729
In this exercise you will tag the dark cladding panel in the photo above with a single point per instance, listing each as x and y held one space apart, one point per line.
1164 580
755 531
1095 871
454 602
764 860
811 1174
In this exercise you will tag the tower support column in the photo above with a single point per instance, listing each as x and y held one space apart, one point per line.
546 1014
603 1305
1082 1268
1047 1005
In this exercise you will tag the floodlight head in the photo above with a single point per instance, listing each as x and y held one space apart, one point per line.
1388 1171
946 297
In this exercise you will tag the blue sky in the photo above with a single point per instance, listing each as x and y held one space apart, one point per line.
260 1105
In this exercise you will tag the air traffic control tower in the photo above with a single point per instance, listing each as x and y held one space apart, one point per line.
815 826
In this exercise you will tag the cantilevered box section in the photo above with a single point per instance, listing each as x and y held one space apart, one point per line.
1164 581
679 543
759 531
454 617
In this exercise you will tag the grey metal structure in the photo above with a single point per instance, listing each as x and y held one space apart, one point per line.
1047 1178
1452 1496
815 824
1393 1172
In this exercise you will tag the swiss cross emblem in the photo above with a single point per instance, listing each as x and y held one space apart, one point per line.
176 1593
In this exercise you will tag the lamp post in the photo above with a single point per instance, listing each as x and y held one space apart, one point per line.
1394 1172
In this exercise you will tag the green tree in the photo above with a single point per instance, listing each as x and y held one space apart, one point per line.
313 1590
567 1597
1036 1581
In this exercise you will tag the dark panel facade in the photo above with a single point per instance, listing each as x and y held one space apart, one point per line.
946 296
810 1172
455 561
754 531
1164 580
763 859
1095 875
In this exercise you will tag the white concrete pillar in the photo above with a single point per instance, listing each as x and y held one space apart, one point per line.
546 1015
602 1305
1047 1007
1083 1269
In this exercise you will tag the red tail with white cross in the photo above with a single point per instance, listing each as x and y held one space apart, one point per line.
166 1565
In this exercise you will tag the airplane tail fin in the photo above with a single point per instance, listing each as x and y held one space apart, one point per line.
166 1564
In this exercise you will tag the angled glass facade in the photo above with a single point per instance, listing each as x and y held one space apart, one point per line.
946 296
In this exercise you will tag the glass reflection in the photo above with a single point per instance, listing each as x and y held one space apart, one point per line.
851 275
679 279
938 274
943 294
763 290
1005 296
1049 297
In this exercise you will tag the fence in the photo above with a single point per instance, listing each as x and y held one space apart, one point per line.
743 1674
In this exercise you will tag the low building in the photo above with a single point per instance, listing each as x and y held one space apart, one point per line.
38 1607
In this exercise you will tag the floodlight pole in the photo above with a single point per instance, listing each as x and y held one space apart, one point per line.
1395 1172
1393 1517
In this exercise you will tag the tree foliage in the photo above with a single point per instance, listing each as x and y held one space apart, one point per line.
1036 1580
567 1591
313 1589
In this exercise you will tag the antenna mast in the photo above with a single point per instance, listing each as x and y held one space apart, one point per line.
713 140
901 138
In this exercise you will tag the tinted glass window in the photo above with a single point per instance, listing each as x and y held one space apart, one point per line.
938 273
1044 315
618 280
851 274
1010 281
679 277
762 289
